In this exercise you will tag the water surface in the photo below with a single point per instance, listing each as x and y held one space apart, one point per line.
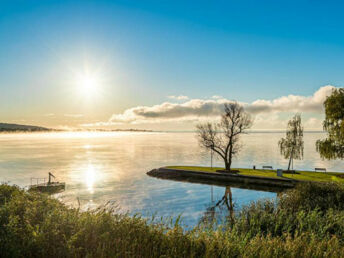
111 167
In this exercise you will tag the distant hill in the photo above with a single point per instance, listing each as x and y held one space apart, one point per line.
4 127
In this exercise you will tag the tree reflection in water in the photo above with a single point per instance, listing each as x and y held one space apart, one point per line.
225 204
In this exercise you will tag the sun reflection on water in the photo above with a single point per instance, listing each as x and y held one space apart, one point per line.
90 178
87 146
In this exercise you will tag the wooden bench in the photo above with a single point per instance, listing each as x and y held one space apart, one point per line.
320 169
267 167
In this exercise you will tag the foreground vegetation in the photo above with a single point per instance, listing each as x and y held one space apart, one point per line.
307 221
300 175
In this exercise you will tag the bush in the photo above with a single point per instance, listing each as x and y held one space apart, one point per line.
308 196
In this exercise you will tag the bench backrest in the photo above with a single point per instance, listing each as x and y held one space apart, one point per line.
320 169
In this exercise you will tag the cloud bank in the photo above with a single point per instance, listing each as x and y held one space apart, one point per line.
292 103
195 109
268 114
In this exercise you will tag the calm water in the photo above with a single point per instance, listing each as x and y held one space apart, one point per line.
103 167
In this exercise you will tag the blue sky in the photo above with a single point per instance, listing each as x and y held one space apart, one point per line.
144 51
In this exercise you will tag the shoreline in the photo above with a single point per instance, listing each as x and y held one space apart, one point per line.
222 179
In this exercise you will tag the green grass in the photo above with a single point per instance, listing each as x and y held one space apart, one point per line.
307 221
302 175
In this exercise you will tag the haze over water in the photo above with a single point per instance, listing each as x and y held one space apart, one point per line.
111 167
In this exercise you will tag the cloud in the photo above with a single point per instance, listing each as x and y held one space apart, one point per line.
180 97
268 114
217 97
99 124
268 121
292 103
171 111
200 108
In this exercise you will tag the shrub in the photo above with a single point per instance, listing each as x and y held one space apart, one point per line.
314 195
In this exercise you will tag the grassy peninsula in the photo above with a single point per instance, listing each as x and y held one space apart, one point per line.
300 175
307 221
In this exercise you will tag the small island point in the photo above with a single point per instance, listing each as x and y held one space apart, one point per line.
243 176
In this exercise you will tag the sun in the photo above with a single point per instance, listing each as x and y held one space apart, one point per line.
87 85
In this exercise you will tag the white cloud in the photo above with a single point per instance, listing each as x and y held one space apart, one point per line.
197 108
268 121
180 97
292 103
171 111
99 124
267 113
217 97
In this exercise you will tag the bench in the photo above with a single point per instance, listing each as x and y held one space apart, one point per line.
320 169
267 167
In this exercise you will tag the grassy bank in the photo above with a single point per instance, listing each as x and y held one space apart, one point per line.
301 175
307 221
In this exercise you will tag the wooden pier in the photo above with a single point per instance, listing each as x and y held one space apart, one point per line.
47 186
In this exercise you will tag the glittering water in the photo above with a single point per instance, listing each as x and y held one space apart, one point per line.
103 167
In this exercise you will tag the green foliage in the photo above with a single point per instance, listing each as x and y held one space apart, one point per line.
311 196
291 147
307 221
333 146
315 209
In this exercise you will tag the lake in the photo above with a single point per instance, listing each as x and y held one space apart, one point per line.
103 167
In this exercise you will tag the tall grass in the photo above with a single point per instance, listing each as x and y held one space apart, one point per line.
306 222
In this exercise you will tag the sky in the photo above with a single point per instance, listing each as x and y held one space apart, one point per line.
167 65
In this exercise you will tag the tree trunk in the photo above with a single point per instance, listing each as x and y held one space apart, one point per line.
228 165
291 158
229 203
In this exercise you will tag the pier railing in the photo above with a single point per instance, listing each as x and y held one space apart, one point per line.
34 181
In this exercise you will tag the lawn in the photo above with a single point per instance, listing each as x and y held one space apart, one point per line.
302 175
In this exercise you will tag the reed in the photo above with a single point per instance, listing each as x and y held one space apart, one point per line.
307 221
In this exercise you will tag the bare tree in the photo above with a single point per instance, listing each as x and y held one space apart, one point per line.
209 215
223 137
